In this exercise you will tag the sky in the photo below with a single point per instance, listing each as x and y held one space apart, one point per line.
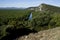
27 3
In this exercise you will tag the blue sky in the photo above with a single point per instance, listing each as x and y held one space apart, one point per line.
27 3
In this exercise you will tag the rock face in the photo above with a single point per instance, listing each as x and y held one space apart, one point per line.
45 7
50 34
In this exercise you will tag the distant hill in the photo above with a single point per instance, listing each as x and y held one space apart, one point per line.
45 7
11 8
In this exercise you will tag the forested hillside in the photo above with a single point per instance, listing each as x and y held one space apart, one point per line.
16 23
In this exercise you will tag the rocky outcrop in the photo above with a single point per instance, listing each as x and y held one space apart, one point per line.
45 7
50 34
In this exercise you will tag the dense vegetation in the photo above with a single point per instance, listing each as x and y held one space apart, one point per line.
12 21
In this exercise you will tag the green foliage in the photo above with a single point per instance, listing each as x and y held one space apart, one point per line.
16 19
3 31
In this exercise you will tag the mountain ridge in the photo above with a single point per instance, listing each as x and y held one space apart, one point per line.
45 7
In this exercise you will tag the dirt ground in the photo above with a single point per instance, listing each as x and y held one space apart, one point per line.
50 34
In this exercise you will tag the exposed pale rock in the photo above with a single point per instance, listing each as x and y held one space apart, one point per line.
50 34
